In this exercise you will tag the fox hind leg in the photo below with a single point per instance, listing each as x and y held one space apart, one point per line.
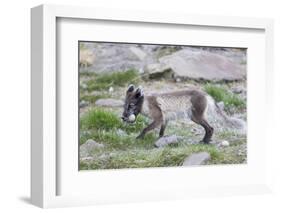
197 116
162 129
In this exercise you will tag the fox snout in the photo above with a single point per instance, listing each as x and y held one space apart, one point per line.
124 118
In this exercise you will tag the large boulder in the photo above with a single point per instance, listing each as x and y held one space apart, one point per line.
202 64
110 57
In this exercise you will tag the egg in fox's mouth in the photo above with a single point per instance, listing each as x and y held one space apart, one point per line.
130 119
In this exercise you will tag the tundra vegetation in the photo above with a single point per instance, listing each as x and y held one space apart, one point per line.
120 148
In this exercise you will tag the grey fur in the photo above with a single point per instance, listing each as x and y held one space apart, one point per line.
168 106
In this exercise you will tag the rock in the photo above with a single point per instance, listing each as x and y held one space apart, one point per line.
141 55
157 70
86 158
88 147
197 159
110 57
201 64
109 102
178 80
224 143
86 58
221 105
219 119
238 90
83 103
166 140
111 89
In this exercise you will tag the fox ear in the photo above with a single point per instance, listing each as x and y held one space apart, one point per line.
139 92
131 88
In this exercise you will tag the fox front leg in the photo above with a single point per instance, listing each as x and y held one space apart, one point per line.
150 127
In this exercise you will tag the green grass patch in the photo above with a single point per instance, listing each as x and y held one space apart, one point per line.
104 81
99 118
102 119
122 149
222 94
142 158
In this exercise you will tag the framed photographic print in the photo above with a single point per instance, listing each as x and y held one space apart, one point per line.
130 106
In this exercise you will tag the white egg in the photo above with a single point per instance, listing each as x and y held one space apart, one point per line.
225 143
132 117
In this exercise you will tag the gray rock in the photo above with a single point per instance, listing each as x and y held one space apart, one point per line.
83 103
113 57
86 58
197 159
221 105
109 102
194 64
86 158
88 147
166 140
157 70
219 119
238 90
141 55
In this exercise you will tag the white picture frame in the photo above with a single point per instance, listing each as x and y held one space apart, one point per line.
45 171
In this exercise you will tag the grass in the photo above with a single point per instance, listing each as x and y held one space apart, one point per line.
106 126
105 81
102 119
99 118
222 94
142 158
93 98
122 150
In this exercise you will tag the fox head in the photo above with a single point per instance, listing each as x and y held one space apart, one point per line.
133 104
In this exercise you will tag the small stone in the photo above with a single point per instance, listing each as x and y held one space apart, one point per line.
166 140
238 90
88 147
86 158
178 80
197 159
111 89
83 103
224 143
